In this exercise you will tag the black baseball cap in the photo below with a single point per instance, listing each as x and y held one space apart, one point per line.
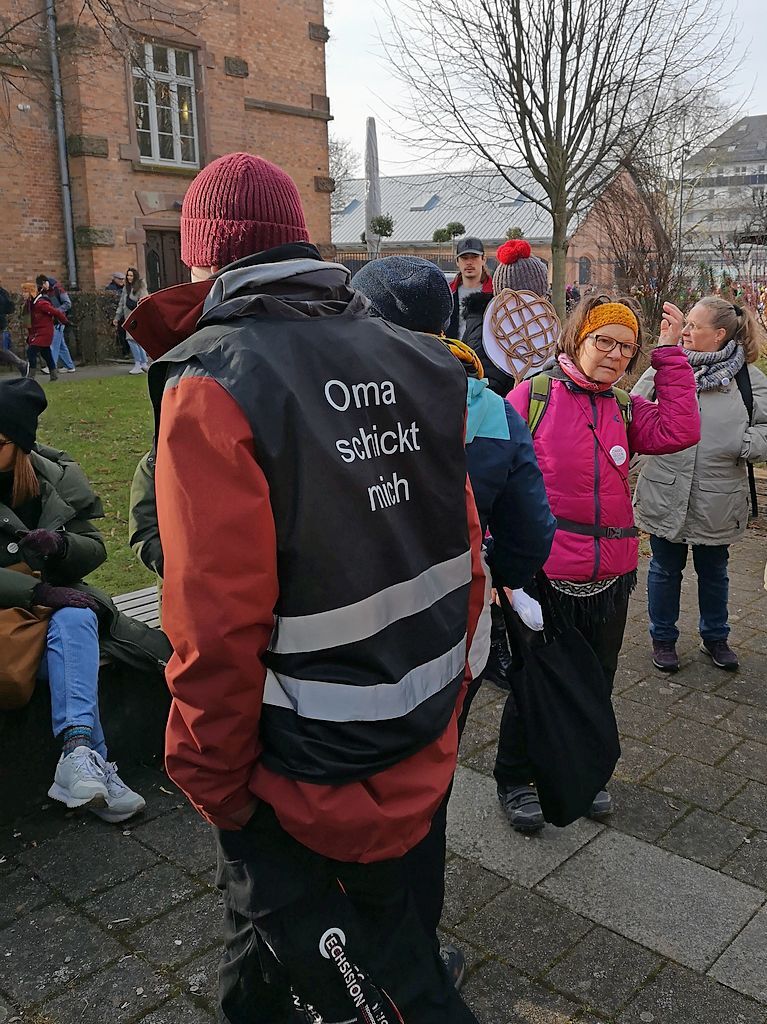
469 244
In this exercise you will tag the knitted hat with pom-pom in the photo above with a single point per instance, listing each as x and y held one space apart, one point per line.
519 270
238 205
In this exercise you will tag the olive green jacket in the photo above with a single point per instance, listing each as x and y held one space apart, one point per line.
68 505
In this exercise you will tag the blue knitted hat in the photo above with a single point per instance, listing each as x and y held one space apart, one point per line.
408 291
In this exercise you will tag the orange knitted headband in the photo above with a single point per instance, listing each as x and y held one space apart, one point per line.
609 313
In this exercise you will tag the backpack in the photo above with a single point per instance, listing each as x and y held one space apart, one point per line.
743 380
540 392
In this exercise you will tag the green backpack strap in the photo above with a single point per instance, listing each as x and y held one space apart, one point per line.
540 392
623 398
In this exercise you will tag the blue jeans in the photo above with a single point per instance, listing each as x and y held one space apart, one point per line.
140 358
664 585
60 349
6 339
71 666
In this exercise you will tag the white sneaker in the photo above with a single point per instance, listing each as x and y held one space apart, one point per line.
135 369
44 369
122 802
67 369
80 779
145 367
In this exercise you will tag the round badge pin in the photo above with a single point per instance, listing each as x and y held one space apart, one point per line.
618 454
13 548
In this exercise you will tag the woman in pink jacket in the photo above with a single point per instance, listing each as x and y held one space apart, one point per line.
585 432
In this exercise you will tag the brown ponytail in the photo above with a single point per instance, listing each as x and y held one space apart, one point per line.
737 322
25 483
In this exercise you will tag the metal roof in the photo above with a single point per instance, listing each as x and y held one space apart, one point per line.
746 140
483 201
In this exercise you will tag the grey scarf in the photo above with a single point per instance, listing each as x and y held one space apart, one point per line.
717 369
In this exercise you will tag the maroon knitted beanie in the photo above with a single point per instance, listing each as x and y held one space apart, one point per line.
236 206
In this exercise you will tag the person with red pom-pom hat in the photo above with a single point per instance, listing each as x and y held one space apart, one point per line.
519 270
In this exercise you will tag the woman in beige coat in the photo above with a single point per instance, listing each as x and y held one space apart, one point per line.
699 497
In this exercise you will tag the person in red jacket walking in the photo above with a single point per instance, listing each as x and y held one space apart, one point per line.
324 594
42 315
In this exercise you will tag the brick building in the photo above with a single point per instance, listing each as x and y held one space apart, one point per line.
142 116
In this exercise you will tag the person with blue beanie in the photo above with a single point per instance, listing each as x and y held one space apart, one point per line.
508 489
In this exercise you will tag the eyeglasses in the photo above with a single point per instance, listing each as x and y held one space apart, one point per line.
602 343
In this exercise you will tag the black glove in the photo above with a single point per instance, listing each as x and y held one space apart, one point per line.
46 543
62 597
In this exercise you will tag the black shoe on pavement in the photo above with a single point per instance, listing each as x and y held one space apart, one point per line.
455 964
522 807
664 655
720 653
602 805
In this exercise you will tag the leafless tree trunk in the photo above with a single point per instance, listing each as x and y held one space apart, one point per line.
552 94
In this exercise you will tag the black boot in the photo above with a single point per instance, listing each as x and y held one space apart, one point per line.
499 662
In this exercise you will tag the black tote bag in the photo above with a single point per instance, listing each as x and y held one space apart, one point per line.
564 702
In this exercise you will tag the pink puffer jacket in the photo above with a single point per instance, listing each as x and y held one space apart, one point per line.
584 451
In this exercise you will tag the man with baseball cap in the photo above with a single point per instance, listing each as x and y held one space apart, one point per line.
472 277
323 591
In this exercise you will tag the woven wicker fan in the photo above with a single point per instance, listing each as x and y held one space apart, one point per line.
520 332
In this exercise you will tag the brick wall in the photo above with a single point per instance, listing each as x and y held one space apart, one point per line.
248 64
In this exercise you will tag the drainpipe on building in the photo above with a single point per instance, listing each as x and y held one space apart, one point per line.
61 139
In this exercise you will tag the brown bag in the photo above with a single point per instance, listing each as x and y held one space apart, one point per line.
23 633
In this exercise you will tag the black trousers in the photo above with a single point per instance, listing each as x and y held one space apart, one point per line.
281 899
425 864
512 766
45 354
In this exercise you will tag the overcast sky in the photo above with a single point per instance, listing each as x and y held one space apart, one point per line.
359 84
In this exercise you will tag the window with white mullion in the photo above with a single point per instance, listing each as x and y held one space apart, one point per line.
164 100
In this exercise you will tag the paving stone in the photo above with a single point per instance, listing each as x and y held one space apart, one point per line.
750 760
707 708
695 740
696 783
523 929
698 672
84 862
182 836
750 862
749 689
182 934
635 662
642 812
499 995
638 759
45 824
748 721
131 903
20 893
479 732
116 994
482 760
638 720
706 838
604 970
179 1011
744 965
49 948
677 996
468 887
679 909
479 831
199 978
159 792
656 693
749 806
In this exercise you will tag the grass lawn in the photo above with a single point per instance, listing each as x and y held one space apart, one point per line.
106 424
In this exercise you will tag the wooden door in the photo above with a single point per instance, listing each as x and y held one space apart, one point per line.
163 260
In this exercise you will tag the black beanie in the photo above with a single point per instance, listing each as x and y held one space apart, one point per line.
408 291
21 403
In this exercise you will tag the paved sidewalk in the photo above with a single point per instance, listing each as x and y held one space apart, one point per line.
657 918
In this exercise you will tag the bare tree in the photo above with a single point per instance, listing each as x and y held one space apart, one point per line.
345 165
552 94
